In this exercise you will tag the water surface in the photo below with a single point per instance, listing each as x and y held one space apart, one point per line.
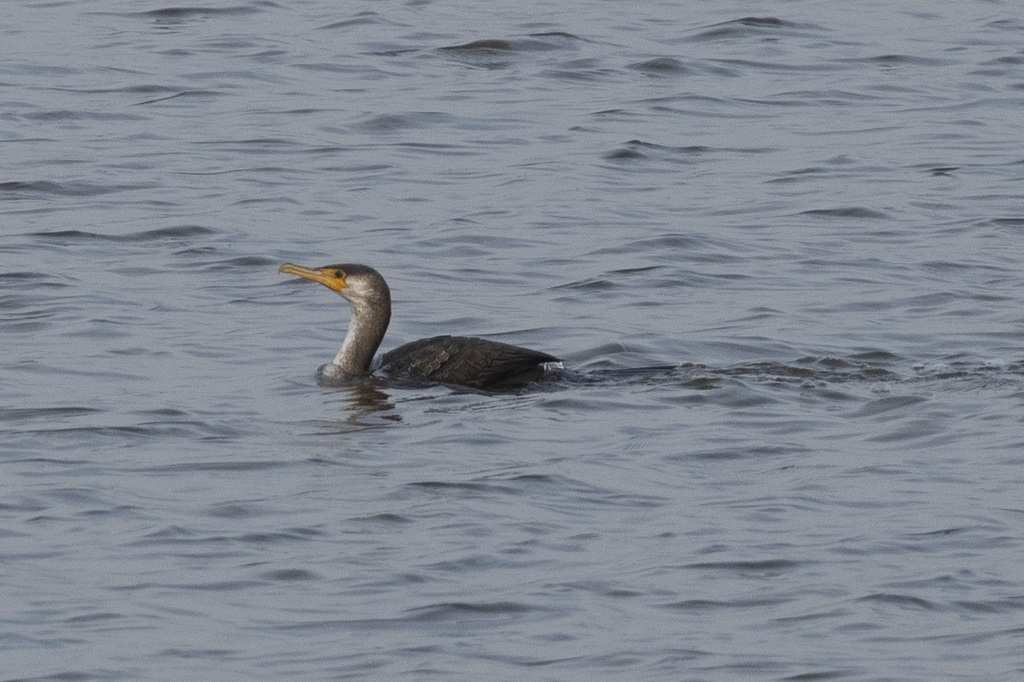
808 217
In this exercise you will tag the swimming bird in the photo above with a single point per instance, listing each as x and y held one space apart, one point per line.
459 360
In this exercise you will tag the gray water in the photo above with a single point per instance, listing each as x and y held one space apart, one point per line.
809 214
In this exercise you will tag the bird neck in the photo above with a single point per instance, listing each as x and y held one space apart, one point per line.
366 329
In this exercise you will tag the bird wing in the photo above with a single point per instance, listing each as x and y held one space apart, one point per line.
478 363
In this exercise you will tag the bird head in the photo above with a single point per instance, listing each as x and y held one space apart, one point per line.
360 284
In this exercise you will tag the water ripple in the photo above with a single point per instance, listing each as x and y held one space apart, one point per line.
779 254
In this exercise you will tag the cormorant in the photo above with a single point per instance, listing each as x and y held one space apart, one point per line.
477 363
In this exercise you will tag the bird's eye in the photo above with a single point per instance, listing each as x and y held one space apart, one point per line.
340 274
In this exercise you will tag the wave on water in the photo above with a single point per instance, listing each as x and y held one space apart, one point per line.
20 189
163 233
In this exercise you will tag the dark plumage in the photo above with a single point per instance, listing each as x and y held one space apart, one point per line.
467 361
477 363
